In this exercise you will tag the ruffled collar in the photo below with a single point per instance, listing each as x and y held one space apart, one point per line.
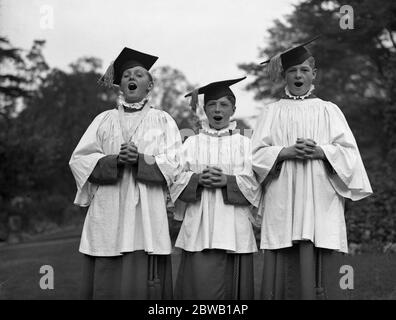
307 95
213 132
131 106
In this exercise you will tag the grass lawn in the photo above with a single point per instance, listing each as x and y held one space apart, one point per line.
375 274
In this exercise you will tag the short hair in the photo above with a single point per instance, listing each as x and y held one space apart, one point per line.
311 62
230 98
148 73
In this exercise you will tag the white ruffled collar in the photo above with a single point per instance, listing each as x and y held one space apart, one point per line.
287 92
208 130
134 106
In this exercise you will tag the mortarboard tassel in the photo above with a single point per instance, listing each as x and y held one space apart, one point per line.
194 120
107 78
194 100
274 68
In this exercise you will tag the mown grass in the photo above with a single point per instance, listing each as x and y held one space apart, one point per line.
375 274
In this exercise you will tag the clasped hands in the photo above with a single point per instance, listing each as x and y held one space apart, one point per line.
303 149
128 154
212 177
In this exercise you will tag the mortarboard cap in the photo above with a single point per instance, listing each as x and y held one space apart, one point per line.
287 59
213 91
128 58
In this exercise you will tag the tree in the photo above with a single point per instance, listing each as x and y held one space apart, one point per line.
168 94
21 74
56 118
43 133
36 68
12 83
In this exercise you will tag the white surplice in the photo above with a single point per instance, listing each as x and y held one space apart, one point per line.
306 201
209 223
128 215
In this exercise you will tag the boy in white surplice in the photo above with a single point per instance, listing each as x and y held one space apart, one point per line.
307 157
123 165
217 187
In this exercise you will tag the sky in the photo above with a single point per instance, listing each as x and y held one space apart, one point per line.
205 39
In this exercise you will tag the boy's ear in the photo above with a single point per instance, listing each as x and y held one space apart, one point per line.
314 73
150 86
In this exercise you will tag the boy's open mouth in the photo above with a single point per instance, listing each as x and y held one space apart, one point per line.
132 86
298 84
218 118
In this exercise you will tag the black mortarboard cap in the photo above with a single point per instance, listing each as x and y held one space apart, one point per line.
213 91
128 58
288 58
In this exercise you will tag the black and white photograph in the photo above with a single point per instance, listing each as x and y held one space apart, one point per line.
199 156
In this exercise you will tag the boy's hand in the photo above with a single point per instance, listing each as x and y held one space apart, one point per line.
128 154
204 179
295 151
212 177
219 179
311 149
303 149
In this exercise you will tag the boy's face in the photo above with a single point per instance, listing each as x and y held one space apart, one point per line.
219 112
299 78
135 84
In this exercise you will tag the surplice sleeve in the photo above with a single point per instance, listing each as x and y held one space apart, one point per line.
246 179
167 160
184 181
232 194
148 170
342 153
106 170
264 152
84 159
185 187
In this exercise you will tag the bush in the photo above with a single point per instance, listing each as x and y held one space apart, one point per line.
42 213
373 220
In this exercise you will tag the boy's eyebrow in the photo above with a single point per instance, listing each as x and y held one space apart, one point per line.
138 69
